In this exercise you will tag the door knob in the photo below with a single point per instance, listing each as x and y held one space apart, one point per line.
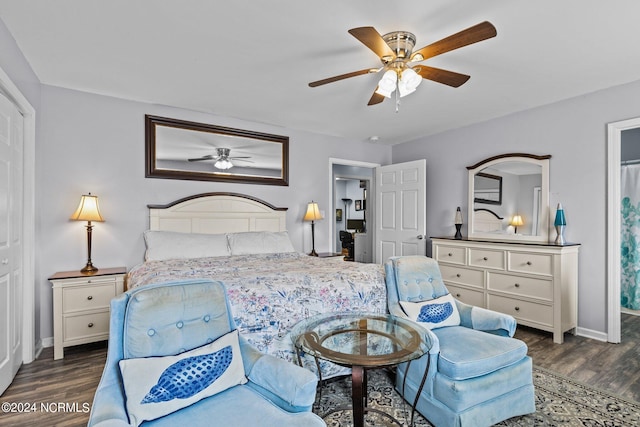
420 236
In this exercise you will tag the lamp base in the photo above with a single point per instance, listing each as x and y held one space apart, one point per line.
458 235
560 237
313 253
89 269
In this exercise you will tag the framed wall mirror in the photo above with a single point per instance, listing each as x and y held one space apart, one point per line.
178 149
521 211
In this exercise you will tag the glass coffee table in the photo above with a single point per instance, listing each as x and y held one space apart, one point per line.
360 341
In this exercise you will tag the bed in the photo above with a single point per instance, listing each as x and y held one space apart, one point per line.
243 242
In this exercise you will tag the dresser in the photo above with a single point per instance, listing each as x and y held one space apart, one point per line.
81 306
536 283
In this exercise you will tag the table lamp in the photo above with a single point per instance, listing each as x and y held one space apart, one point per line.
458 223
88 211
313 214
516 221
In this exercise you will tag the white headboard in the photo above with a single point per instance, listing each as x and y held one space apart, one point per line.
214 213
486 221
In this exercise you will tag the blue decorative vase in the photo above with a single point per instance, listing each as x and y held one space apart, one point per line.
560 223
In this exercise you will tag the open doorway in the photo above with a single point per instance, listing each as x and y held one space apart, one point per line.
626 130
352 201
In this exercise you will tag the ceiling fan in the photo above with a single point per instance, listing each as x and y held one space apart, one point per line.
223 159
402 73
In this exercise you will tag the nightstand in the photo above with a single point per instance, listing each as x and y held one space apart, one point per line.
81 306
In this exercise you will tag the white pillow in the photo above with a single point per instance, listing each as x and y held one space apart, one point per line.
157 386
434 313
259 242
162 245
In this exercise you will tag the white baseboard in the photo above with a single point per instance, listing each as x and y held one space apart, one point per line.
589 333
47 342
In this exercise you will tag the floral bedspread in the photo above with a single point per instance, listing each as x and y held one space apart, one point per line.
269 293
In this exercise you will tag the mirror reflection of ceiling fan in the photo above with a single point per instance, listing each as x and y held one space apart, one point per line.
402 72
222 159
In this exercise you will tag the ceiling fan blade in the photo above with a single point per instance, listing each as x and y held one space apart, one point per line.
207 157
342 77
439 75
482 31
369 37
376 98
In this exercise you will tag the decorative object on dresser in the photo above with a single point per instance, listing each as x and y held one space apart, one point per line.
522 181
313 214
458 223
537 283
560 223
88 211
81 306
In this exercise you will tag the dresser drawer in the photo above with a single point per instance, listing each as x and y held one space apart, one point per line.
487 258
541 314
451 254
465 276
87 297
523 262
467 296
524 286
86 326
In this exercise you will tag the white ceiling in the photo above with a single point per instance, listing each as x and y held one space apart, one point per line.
253 59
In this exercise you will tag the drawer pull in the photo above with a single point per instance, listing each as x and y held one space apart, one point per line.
90 325
517 285
90 297
458 275
485 258
517 308
457 295
528 262
450 254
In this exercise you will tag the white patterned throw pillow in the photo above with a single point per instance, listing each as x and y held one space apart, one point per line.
157 386
434 313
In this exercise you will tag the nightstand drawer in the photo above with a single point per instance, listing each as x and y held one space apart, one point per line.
86 326
524 286
87 297
462 275
530 263
451 254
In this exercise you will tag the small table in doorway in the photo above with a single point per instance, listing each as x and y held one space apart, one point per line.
360 341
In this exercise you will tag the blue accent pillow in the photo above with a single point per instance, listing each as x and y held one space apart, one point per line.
157 386
434 313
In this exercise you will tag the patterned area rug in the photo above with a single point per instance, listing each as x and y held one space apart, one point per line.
560 401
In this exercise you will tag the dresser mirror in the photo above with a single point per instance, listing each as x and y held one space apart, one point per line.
509 198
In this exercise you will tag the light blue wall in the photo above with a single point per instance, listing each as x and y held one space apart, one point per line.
574 133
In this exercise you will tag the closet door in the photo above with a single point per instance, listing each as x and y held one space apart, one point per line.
11 223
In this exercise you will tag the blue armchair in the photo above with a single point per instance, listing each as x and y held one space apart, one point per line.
169 319
478 375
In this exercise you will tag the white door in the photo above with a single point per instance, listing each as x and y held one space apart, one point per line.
401 210
11 266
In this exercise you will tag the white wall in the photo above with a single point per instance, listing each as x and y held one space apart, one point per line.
574 133
93 143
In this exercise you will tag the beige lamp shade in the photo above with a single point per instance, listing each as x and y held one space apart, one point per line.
88 209
516 221
313 212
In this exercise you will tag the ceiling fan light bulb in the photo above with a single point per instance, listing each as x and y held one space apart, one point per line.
409 81
223 164
387 83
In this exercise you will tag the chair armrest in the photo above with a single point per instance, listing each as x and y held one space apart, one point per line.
289 386
486 320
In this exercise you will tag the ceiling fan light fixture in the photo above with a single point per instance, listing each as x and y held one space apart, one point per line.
387 83
409 82
223 164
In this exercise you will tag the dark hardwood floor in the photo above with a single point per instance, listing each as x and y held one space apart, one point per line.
60 392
